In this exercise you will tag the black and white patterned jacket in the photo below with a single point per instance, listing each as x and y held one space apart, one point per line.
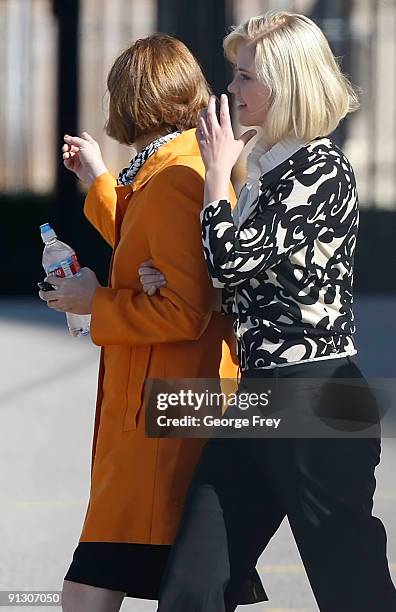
287 269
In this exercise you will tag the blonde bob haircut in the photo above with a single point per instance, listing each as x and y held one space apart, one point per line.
156 84
309 95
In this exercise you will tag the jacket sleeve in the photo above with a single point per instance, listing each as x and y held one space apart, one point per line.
100 205
181 310
302 207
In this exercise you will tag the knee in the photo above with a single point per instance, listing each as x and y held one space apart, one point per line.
71 596
78 597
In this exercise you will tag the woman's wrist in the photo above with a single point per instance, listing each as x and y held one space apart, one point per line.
95 172
217 184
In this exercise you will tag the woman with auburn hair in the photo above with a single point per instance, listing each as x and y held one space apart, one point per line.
285 260
150 213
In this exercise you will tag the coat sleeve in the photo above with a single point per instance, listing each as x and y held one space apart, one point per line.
100 205
182 310
301 208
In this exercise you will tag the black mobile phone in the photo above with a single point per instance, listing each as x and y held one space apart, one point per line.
44 286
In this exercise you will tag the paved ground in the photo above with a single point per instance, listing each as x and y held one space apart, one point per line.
47 391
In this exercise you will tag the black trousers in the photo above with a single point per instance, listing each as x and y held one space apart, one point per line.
244 487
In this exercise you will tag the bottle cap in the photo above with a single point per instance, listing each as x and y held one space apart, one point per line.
47 233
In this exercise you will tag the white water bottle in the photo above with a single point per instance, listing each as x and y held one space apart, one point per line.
59 259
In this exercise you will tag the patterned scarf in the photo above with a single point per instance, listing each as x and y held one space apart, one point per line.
127 175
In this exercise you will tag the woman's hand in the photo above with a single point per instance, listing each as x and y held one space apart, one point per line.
151 278
83 157
219 148
73 294
218 145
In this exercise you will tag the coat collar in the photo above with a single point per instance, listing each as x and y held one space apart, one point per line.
185 144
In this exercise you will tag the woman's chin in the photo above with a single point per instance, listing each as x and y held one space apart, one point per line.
243 117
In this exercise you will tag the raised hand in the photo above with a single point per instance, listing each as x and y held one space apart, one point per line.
218 145
82 155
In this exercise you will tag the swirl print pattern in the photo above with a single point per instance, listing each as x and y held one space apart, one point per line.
287 271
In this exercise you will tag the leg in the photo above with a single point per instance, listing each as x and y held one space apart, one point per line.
224 524
342 545
327 486
77 597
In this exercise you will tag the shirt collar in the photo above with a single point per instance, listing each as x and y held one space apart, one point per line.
260 161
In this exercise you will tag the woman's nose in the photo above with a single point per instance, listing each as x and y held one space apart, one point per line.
231 87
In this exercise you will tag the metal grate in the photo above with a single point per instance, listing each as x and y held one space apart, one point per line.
362 31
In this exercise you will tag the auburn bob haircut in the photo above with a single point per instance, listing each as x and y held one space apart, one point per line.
155 84
309 95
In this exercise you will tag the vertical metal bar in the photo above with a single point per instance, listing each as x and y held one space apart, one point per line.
29 97
3 110
372 97
393 104
187 21
67 198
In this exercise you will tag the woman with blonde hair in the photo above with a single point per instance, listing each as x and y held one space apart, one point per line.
284 259
150 213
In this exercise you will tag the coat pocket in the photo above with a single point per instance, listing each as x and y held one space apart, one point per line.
139 365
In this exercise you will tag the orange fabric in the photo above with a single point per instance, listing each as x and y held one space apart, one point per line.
139 484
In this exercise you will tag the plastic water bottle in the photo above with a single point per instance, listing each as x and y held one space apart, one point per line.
59 259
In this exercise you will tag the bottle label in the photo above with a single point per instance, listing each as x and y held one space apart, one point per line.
65 268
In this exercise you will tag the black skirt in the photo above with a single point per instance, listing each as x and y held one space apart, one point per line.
136 570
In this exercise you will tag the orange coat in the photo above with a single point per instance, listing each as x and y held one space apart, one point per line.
139 484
